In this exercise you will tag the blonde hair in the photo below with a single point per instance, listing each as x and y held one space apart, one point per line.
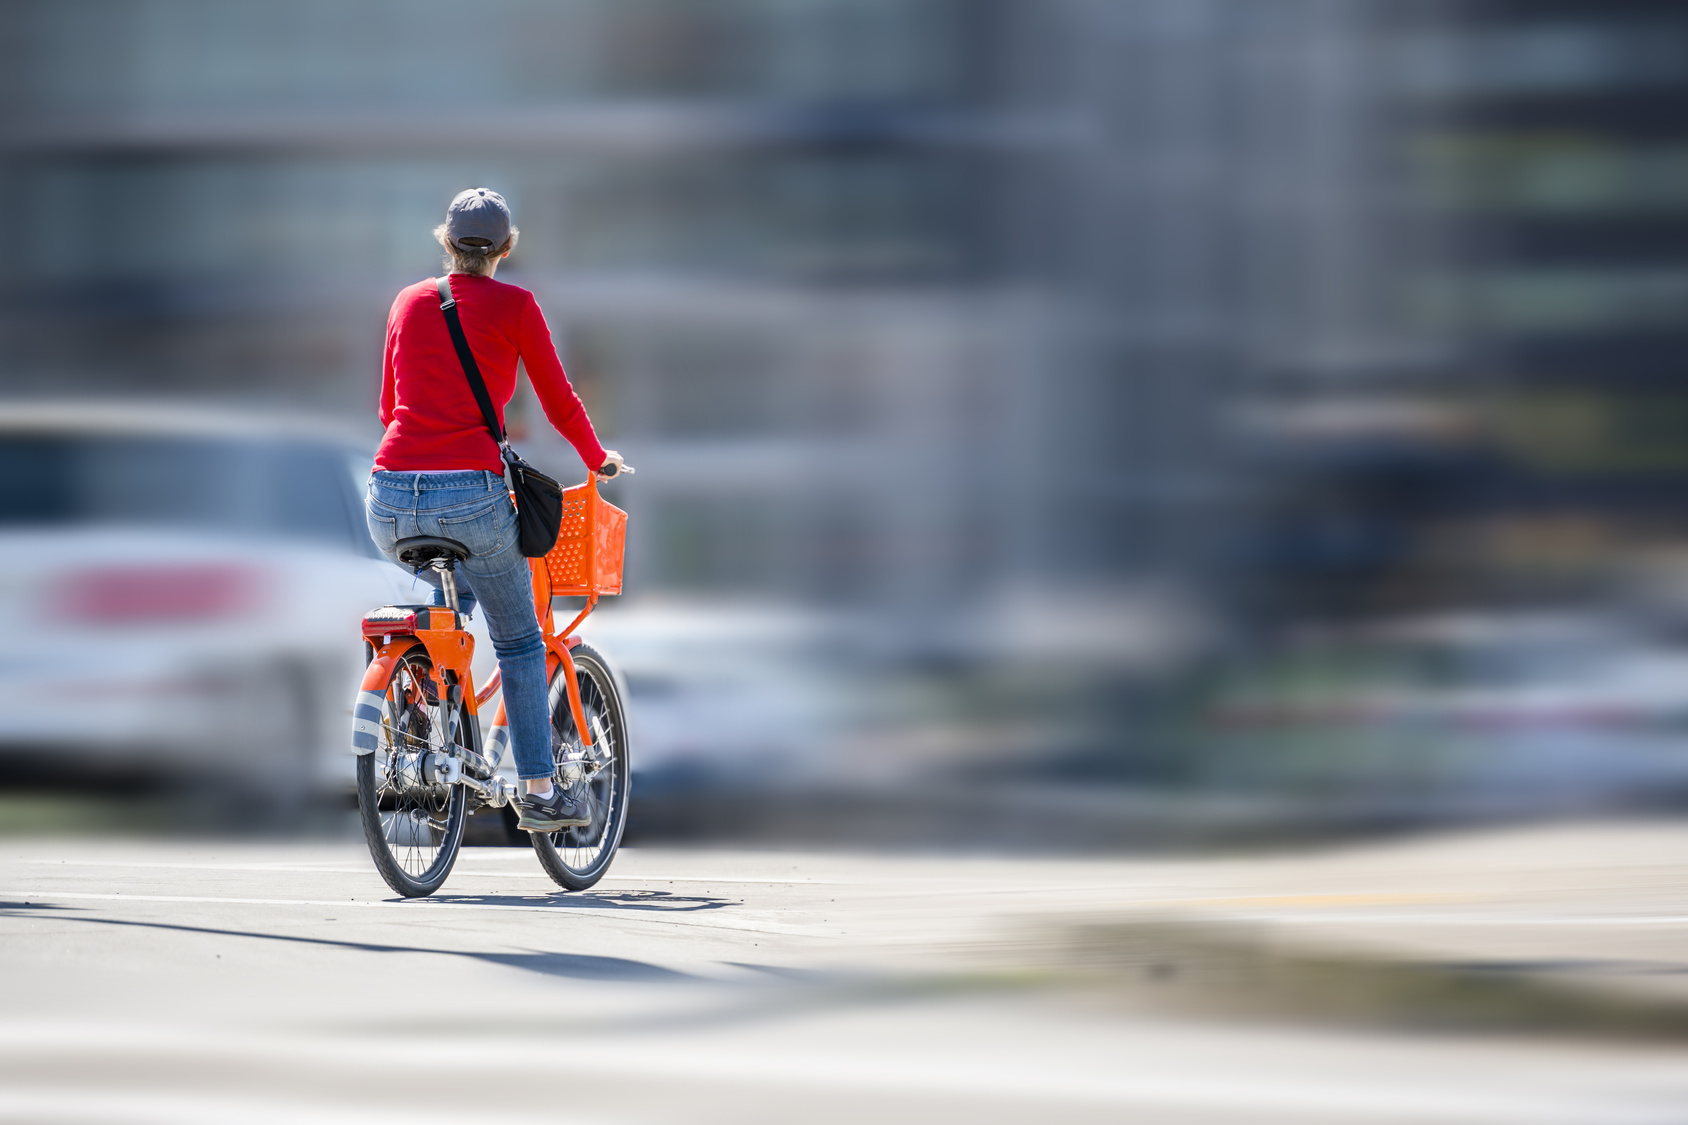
477 260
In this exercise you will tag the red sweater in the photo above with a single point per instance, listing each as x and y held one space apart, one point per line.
430 413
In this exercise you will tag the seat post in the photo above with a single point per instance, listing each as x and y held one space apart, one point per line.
448 580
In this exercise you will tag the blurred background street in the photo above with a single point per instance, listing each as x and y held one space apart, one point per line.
1274 401
1104 428
1275 398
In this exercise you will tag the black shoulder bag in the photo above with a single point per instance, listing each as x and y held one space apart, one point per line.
539 499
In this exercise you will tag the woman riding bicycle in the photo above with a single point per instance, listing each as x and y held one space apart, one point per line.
438 470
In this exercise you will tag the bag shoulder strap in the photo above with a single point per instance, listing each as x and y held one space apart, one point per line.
448 306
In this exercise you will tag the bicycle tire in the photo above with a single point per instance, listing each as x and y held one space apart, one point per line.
576 858
415 838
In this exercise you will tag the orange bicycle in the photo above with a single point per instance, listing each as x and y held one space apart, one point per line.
423 766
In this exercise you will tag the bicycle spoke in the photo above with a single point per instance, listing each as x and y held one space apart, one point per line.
577 857
414 818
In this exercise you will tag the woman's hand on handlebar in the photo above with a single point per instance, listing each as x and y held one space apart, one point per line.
613 466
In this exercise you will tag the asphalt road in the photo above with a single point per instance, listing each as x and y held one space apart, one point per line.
186 982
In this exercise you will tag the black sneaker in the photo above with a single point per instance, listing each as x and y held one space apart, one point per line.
560 810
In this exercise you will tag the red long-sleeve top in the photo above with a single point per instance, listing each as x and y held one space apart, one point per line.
432 419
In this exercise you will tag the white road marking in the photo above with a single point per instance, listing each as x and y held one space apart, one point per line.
1474 919
147 1107
302 869
1348 1098
1316 918
298 869
422 904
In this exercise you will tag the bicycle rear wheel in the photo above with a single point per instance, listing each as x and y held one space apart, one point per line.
576 858
413 824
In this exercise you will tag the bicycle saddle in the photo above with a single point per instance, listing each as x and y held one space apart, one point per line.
420 550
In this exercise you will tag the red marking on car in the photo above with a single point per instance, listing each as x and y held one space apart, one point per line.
154 593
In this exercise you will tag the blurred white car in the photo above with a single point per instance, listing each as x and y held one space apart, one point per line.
723 692
182 594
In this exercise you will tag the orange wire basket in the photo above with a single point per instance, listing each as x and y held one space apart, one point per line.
587 558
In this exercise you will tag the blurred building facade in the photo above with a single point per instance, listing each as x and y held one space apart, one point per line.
905 302
1522 446
1285 307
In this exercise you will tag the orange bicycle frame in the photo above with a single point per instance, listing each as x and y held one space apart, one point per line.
585 562
450 649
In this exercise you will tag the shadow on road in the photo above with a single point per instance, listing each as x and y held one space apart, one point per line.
665 901
575 966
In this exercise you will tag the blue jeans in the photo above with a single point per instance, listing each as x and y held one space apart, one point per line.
474 508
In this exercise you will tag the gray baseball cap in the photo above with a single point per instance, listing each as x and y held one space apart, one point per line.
478 213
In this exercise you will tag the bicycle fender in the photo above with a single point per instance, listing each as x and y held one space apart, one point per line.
451 650
366 711
560 650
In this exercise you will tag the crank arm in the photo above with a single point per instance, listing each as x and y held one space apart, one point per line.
496 791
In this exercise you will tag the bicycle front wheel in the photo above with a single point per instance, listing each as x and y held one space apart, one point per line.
413 824
576 858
